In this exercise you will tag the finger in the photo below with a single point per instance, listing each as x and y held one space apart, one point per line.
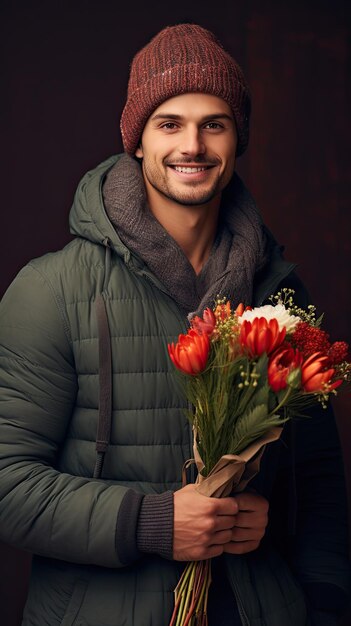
251 520
252 502
225 506
224 522
222 537
241 547
247 534
213 551
207 552
198 554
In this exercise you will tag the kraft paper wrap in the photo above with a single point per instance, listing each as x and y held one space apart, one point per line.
233 472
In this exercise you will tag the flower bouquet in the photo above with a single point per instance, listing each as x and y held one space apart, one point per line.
245 373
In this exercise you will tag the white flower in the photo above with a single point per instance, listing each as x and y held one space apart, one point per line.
278 312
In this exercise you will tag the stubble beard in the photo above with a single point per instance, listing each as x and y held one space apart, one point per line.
191 197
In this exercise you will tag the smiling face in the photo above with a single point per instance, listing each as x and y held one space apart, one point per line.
188 149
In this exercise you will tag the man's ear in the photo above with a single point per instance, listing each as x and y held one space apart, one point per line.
139 151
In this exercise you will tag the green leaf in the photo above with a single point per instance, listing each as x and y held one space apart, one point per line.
294 378
262 365
251 426
319 321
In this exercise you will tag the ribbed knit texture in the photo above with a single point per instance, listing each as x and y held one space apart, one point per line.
238 251
126 527
155 525
183 59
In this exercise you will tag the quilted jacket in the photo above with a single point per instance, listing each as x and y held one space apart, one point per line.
50 502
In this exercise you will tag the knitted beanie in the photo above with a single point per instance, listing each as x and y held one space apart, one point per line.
185 58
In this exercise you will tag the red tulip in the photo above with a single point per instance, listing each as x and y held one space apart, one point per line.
314 376
281 363
261 336
191 352
240 309
206 323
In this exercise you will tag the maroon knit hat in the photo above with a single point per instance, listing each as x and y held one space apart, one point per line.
185 58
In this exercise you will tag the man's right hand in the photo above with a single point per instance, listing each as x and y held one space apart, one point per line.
202 525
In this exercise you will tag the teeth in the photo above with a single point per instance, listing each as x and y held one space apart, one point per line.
189 170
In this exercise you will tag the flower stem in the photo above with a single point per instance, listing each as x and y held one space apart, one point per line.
191 595
282 402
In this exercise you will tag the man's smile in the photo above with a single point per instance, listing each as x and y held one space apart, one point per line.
191 172
188 170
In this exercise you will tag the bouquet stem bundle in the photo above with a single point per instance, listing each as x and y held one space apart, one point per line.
191 595
231 473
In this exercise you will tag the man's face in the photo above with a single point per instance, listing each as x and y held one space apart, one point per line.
188 149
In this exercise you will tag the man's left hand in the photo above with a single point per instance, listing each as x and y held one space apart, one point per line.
250 523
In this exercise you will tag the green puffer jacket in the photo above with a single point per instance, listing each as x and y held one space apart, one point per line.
51 505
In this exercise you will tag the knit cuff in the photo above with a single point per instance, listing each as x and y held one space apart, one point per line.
155 525
126 527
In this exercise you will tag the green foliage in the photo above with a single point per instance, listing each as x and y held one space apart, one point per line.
233 405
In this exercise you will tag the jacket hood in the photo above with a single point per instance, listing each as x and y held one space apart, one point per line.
88 217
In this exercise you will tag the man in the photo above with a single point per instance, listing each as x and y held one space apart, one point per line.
160 231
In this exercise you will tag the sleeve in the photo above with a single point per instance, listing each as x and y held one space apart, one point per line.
43 510
312 498
308 506
320 545
321 542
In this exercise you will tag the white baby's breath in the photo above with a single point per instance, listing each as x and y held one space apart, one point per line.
278 312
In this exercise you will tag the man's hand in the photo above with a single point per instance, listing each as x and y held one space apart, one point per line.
202 525
206 527
250 523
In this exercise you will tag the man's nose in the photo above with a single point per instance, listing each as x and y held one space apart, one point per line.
192 142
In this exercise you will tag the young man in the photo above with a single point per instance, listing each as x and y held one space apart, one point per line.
93 434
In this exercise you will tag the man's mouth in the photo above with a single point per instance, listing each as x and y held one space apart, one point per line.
189 170
186 169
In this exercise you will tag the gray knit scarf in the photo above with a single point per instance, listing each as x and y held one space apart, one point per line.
239 250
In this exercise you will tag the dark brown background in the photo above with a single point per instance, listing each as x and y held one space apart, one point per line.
66 70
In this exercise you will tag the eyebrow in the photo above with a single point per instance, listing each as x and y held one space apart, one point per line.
174 116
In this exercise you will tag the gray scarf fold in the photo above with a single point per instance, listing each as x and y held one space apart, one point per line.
239 250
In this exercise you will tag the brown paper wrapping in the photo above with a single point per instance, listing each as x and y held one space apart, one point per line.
233 472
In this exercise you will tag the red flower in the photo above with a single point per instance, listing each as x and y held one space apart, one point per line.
240 309
281 363
222 311
204 324
314 376
339 352
261 336
190 354
310 339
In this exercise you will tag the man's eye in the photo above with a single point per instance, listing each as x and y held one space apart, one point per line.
169 126
213 125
